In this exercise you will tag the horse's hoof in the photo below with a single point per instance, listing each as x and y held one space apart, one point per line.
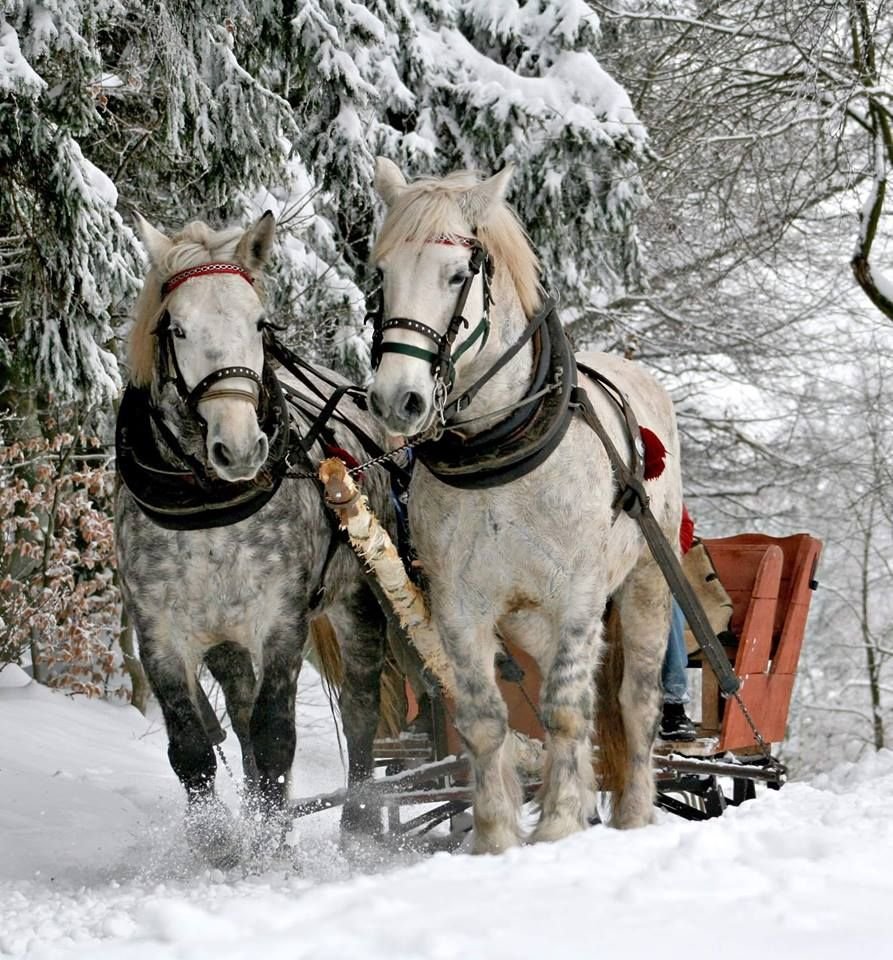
362 819
494 841
211 833
267 825
548 830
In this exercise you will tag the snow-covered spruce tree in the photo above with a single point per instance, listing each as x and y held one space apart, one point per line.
65 256
146 103
440 84
191 128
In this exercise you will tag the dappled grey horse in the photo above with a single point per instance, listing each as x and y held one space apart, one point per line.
513 510
223 559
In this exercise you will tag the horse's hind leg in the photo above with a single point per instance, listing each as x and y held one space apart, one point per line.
567 798
360 625
231 667
644 602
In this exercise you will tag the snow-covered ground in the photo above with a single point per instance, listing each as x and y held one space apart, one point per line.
92 865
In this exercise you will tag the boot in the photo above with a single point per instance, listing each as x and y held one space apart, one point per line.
675 724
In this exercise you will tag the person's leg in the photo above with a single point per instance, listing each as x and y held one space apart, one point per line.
675 724
673 674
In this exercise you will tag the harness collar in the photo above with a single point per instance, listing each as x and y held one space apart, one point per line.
520 443
190 497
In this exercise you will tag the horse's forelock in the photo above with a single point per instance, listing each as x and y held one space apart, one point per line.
196 243
429 207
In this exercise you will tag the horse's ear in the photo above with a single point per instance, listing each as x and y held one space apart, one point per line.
478 200
155 242
254 248
389 180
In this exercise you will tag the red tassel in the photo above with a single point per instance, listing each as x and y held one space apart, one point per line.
654 454
686 531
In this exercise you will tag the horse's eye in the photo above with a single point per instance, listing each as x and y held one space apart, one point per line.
178 332
457 278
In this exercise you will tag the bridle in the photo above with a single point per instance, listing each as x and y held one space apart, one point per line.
169 367
443 360
173 486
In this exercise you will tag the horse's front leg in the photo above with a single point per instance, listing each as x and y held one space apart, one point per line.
272 726
567 798
209 827
482 722
231 667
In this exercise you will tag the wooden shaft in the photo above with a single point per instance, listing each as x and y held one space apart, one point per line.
373 544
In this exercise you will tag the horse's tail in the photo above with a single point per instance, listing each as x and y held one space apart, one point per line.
324 652
612 747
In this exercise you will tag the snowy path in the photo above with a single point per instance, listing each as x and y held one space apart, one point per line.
91 866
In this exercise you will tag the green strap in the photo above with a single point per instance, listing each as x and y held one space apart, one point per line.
409 351
421 354
482 328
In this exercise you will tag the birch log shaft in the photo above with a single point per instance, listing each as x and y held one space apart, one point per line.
374 546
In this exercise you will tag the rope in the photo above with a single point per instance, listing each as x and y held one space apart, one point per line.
360 467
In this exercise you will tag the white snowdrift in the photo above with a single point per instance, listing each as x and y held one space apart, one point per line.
92 865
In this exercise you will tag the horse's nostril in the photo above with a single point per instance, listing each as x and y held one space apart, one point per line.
262 448
413 403
220 454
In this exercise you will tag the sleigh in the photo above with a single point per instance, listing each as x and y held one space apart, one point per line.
769 582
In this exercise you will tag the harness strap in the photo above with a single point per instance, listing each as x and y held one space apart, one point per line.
296 364
325 415
636 503
301 402
444 364
202 392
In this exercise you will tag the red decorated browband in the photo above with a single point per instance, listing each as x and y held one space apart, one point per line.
201 270
455 241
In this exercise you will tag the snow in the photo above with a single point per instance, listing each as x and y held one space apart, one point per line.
92 865
16 74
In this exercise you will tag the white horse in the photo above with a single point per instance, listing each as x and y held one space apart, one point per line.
535 559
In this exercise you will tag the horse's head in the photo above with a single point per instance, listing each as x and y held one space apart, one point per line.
438 246
198 337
